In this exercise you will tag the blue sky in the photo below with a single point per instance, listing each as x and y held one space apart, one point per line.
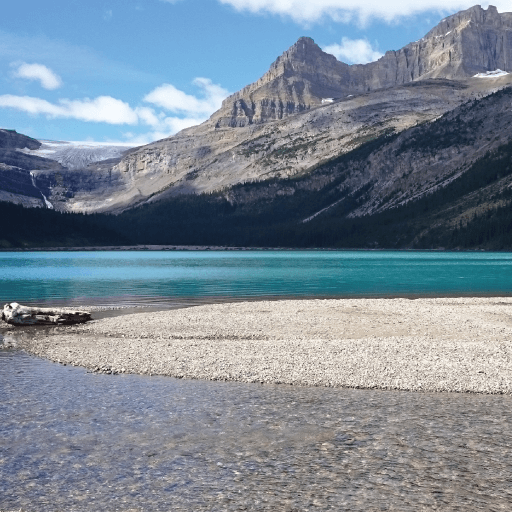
140 70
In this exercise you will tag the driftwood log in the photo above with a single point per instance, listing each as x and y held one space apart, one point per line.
16 314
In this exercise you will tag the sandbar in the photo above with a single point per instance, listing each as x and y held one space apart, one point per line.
427 344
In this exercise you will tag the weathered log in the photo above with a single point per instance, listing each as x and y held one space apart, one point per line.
16 314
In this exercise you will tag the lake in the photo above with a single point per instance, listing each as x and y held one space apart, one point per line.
78 441
147 277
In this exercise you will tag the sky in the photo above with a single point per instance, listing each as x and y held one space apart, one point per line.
135 71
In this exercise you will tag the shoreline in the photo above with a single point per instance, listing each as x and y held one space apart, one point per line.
425 344
153 247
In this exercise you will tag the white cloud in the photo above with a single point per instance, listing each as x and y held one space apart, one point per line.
45 76
148 116
353 51
188 110
307 11
170 98
175 124
103 109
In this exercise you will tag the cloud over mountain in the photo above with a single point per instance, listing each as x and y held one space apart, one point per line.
170 98
186 109
103 109
305 11
353 51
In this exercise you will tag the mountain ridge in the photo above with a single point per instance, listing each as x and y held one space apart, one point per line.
283 129
466 52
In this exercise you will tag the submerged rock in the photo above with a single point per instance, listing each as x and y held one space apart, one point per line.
16 314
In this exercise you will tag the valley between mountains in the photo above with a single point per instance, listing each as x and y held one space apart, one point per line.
411 151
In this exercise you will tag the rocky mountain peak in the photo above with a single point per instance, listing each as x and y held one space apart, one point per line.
305 56
303 50
297 80
10 139
462 19
473 41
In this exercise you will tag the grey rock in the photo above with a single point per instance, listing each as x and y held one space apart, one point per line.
16 314
462 45
13 140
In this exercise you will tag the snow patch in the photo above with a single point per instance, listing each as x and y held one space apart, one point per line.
491 74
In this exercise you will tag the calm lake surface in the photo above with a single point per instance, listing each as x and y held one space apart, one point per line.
72 440
146 277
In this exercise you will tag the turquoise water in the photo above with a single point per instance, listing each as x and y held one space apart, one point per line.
81 441
153 277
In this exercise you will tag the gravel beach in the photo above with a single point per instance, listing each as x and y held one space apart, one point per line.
443 344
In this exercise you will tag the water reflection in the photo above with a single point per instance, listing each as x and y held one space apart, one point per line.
76 441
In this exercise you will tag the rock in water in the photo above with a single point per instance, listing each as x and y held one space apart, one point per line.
16 314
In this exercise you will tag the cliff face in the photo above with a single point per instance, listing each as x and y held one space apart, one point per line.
297 80
18 181
462 45
11 139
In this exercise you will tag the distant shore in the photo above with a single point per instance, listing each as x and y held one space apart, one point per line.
149 247
152 247
442 344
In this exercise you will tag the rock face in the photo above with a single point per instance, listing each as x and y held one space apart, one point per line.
18 171
11 139
297 80
16 314
462 45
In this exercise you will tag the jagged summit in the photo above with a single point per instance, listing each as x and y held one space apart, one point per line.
460 46
297 80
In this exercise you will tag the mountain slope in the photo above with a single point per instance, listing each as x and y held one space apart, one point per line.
376 196
360 199
278 126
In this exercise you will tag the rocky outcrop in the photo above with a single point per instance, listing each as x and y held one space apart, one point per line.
295 82
462 45
16 314
19 182
11 139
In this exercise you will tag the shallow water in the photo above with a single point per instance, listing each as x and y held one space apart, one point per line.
71 440
184 277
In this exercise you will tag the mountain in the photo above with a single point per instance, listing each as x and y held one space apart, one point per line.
308 111
461 46
441 184
17 179
446 183
46 173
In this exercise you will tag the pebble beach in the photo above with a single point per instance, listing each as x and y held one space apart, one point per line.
438 344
